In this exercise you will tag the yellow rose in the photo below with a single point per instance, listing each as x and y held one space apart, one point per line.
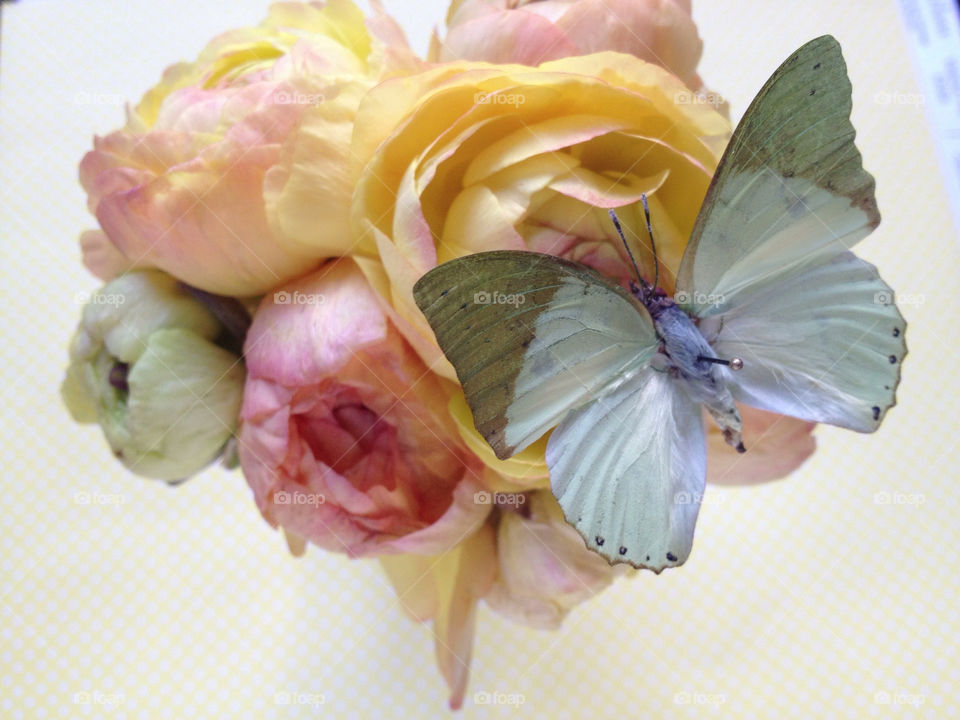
233 173
470 157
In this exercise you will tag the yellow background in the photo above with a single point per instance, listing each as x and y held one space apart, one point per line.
803 598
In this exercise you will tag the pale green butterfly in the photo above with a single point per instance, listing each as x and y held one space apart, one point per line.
767 285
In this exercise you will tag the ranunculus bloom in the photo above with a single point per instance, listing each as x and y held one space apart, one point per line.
233 173
545 569
471 157
520 31
345 437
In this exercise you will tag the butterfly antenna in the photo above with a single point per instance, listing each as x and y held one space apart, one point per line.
616 224
653 246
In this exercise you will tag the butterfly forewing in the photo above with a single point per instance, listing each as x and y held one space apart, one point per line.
531 336
790 190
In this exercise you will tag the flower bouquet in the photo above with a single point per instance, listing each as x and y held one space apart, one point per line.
265 214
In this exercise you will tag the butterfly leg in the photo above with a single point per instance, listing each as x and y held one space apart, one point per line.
724 412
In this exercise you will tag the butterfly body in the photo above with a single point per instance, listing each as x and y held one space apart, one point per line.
767 283
681 355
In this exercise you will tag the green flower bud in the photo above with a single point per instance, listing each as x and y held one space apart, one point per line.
146 365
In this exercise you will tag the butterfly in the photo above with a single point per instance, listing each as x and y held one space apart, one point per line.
771 310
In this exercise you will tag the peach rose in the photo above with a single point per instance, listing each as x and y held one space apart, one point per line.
232 174
470 157
545 569
521 31
345 439
446 589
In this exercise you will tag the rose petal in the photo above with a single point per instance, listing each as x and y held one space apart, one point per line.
776 446
463 575
507 37
101 257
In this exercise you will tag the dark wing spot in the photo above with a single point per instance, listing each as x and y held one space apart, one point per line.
671 557
813 91
648 558
600 540
896 332
886 387
623 550
817 66
893 359
876 412
463 307
444 293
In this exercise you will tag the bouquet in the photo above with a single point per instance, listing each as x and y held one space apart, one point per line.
264 214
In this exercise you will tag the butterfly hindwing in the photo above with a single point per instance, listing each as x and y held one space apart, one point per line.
629 471
823 345
531 336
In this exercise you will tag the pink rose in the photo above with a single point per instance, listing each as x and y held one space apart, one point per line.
777 445
233 173
545 569
521 31
345 439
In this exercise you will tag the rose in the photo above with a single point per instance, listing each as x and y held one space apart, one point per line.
444 171
345 438
447 172
520 31
146 364
545 567
776 446
446 589
232 174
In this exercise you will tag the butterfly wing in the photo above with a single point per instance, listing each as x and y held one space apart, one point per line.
768 269
824 345
790 190
531 336
629 471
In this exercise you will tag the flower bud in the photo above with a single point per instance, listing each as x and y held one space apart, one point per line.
146 365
